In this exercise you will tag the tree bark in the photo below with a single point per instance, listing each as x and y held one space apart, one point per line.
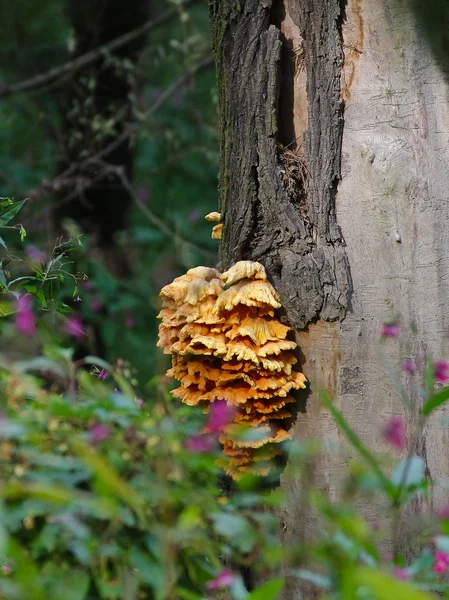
276 210
334 175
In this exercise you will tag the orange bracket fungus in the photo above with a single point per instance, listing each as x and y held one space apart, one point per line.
217 229
228 345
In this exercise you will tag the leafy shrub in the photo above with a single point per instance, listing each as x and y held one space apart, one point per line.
107 493
104 494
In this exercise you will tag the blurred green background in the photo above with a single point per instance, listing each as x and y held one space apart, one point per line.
143 224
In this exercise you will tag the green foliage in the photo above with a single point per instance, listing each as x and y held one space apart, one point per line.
100 497
175 173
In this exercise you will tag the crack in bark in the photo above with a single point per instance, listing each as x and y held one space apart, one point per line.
295 235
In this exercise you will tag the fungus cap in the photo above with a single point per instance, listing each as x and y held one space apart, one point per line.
247 292
244 269
260 330
217 231
213 216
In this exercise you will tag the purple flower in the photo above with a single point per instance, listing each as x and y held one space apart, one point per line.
130 321
409 366
201 444
220 415
35 255
194 215
394 433
441 370
441 562
390 329
139 402
401 573
74 327
25 323
99 433
95 304
102 375
224 579
143 194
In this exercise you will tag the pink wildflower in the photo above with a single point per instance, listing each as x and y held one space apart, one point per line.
74 327
441 555
390 329
441 562
220 415
195 215
102 375
409 366
6 570
200 444
401 573
35 255
224 579
130 321
439 567
441 370
99 433
143 194
394 433
25 323
139 402
95 304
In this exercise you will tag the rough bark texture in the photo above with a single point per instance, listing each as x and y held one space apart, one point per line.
278 207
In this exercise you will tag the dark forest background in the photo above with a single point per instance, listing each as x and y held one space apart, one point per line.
113 139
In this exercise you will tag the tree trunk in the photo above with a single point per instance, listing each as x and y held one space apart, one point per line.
97 109
334 153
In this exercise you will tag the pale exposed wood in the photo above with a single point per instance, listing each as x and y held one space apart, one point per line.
393 209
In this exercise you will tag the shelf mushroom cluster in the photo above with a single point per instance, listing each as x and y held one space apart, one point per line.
227 344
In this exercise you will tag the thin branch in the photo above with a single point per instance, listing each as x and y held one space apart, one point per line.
65 179
157 222
93 55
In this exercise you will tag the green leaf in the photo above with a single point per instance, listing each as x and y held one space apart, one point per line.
121 381
187 594
65 583
397 382
409 472
23 233
429 374
2 243
317 579
236 529
8 210
268 591
435 401
109 478
357 444
3 279
384 586
442 543
149 570
26 572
